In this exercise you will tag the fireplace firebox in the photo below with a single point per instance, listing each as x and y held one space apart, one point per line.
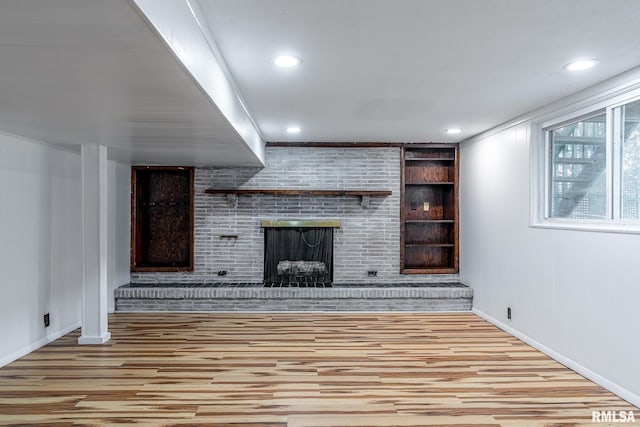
298 253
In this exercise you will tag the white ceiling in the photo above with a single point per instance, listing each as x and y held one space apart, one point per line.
404 70
95 71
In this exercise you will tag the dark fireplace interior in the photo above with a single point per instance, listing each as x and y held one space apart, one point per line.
298 257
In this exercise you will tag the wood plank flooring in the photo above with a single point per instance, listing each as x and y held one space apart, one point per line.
298 370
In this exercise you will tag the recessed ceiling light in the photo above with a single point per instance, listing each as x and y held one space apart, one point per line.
293 129
452 131
286 61
581 65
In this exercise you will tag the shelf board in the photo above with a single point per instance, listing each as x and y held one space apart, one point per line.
232 194
430 183
164 204
443 269
429 221
429 245
163 269
285 192
430 159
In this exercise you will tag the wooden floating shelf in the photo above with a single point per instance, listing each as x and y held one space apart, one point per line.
430 183
430 159
434 245
429 221
431 270
284 192
164 204
232 194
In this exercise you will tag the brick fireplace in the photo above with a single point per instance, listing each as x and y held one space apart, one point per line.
229 236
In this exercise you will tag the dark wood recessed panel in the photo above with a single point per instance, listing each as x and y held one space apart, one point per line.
431 233
418 153
162 219
165 237
432 256
431 202
425 172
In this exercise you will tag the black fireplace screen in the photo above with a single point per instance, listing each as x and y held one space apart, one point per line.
298 256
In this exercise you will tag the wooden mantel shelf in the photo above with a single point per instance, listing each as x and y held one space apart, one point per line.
286 192
364 194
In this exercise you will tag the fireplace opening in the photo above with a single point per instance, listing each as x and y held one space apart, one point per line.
298 257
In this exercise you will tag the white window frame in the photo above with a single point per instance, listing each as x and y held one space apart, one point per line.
541 172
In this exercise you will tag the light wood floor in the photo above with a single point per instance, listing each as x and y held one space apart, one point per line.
298 370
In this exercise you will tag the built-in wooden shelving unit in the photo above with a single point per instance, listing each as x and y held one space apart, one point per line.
429 209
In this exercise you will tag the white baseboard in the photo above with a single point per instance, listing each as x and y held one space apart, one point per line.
5 360
627 395
94 340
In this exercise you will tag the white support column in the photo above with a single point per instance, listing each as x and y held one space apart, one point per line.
94 245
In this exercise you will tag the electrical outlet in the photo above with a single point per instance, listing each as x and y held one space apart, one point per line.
414 206
372 273
509 313
47 320
222 273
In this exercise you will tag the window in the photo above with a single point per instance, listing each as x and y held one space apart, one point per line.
593 166
629 116
578 161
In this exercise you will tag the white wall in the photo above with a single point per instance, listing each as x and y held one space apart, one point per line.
119 231
574 294
40 243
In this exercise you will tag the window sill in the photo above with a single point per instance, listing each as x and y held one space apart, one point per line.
592 226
